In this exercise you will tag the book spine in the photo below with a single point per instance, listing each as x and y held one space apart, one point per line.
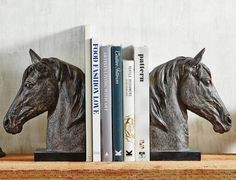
142 145
96 101
106 108
129 121
117 104
88 95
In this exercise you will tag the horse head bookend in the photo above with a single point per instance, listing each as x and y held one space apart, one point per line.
51 85
2 154
179 85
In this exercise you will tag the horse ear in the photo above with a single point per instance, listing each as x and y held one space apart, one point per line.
34 57
198 57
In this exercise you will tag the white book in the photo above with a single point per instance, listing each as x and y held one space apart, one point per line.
106 103
128 105
96 127
88 94
141 90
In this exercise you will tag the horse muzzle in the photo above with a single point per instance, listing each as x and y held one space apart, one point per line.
11 127
224 125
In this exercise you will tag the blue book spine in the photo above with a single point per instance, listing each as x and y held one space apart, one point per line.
117 104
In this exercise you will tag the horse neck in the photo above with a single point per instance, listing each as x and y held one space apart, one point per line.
60 115
59 135
66 111
175 116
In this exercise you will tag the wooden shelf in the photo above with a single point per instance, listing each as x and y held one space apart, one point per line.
211 167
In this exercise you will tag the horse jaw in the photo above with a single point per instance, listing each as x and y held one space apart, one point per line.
16 130
221 122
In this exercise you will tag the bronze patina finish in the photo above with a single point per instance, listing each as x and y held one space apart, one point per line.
179 85
57 87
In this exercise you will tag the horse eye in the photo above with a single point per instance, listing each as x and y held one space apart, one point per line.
28 85
208 82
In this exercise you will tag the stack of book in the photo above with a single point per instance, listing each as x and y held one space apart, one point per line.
117 103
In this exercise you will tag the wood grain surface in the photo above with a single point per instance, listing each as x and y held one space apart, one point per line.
211 167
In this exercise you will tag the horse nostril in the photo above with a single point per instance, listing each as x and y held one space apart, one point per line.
229 120
6 122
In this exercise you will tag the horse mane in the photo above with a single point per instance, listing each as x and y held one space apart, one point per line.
71 82
159 77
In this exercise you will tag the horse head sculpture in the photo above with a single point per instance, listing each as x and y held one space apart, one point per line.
57 87
177 86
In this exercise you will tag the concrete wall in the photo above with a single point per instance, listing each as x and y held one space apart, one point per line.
169 27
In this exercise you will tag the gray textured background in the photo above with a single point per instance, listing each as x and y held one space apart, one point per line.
169 27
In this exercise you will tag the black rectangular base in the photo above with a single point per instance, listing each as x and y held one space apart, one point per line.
188 155
43 155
